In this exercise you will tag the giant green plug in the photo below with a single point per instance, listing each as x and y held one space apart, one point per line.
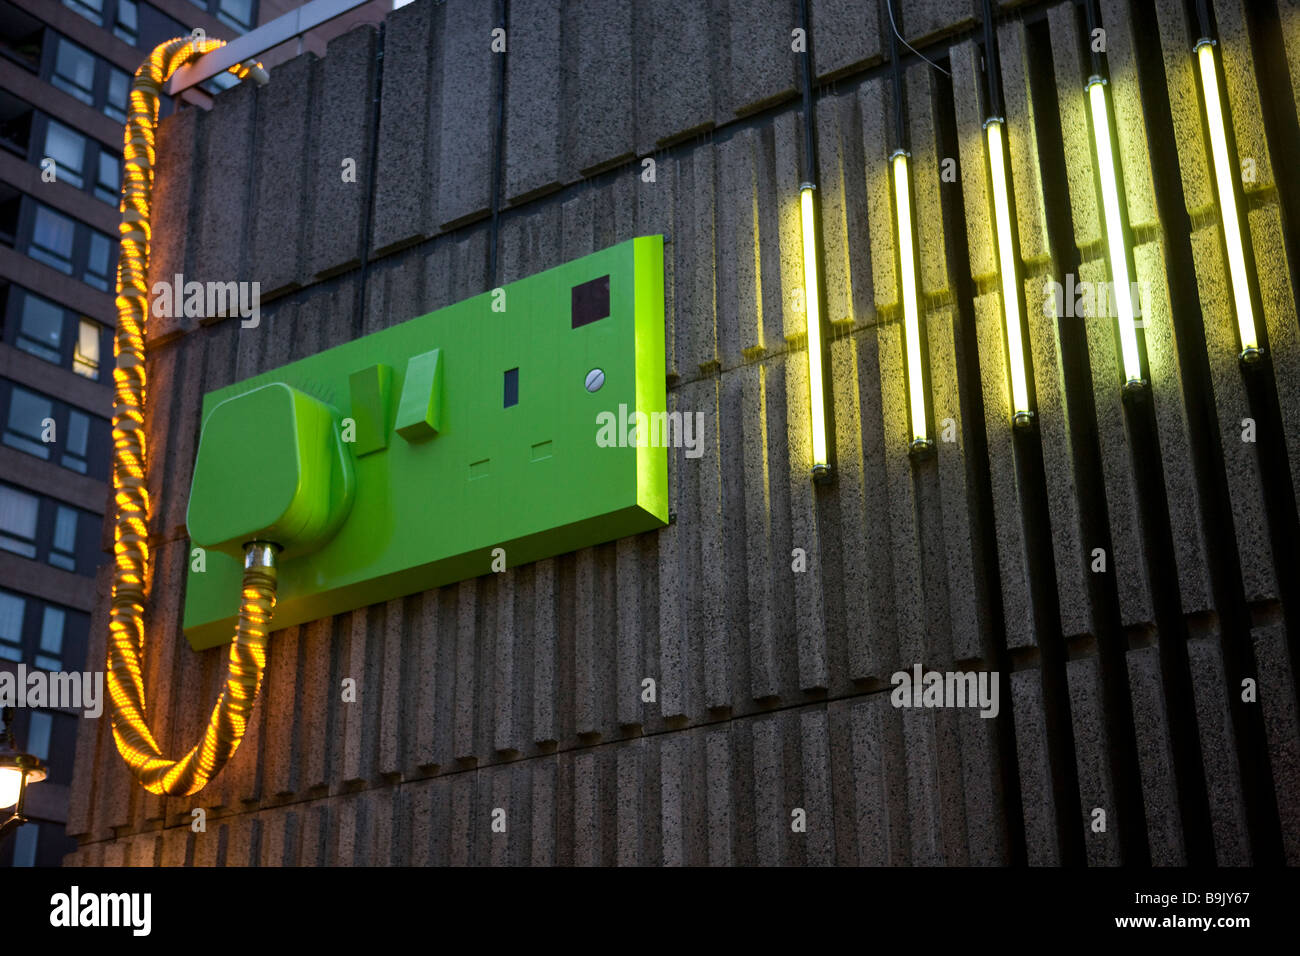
488 434
270 467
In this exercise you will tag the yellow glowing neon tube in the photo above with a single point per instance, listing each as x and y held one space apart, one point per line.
1114 222
1228 214
229 719
911 312
1021 413
812 303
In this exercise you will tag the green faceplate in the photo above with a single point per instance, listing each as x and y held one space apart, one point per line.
400 461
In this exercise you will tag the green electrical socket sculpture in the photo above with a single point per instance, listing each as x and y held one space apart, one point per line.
400 461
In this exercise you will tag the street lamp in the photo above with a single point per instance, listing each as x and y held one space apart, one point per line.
17 770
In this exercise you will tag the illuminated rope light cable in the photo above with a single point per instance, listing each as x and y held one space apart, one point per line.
1228 213
911 311
1119 274
229 719
1021 413
812 311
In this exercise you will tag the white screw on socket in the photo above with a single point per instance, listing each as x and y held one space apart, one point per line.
595 379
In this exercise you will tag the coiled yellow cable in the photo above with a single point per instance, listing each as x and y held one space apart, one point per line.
230 716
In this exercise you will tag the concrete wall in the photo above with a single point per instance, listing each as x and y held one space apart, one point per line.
521 690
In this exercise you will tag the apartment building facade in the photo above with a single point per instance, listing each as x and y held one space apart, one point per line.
65 76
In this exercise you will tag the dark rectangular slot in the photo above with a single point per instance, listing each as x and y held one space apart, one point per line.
590 301
512 387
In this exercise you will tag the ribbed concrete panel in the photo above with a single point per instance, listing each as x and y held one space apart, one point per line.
1155 758
1275 289
1076 125
341 139
1277 696
407 155
757 61
719 691
1222 768
1240 459
464 134
221 213
922 21
1158 330
869 782
1127 559
1040 811
534 103
674 70
847 34
285 125
1093 750
90 755
843 212
1237 59
176 146
951 500
866 597
1008 514
599 130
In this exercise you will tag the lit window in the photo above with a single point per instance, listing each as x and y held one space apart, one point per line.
50 655
108 185
12 608
74 71
127 27
119 94
85 359
68 150
27 413
52 238
40 329
63 550
92 10
18 521
99 261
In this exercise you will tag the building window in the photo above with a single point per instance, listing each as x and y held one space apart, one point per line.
92 10
237 13
25 844
40 328
75 441
74 71
48 635
63 549
53 235
85 360
127 24
119 94
12 608
108 185
15 124
27 414
18 512
72 248
50 654
68 150
33 418
39 725
44 529
99 261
